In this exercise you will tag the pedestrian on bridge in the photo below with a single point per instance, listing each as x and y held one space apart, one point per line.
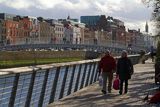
124 71
106 67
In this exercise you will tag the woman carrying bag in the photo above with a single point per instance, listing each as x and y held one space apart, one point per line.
124 71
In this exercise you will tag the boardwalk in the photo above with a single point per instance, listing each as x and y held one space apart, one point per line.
141 83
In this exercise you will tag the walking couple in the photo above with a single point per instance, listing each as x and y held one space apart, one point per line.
123 68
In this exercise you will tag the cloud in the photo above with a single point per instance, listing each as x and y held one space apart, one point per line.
107 6
18 4
44 4
76 6
138 25
2 1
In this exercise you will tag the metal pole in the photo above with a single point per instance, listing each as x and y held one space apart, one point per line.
14 90
40 103
54 86
30 90
63 83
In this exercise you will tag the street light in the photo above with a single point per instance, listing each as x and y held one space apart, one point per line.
33 38
101 36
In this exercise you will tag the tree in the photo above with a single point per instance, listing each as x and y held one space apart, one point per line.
156 17
40 19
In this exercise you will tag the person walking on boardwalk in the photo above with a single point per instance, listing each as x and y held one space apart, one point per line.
106 66
124 71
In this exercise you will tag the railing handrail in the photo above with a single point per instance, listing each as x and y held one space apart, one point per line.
47 66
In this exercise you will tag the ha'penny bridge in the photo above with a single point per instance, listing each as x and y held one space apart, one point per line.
113 46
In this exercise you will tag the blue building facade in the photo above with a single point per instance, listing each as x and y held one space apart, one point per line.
90 20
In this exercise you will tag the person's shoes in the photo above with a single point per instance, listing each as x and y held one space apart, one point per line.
109 91
125 92
120 93
104 92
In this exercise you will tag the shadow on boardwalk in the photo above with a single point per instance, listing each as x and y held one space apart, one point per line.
142 82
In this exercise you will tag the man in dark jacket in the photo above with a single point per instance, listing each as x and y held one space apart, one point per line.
124 71
106 66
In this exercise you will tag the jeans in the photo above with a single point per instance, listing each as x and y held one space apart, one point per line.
107 76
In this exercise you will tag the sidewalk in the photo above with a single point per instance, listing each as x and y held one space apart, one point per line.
142 82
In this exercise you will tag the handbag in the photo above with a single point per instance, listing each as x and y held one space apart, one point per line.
116 83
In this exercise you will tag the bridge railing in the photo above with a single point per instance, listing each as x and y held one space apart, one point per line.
38 86
112 44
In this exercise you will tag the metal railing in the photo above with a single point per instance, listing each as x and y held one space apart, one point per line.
41 85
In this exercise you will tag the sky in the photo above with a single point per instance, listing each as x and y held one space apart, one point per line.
132 12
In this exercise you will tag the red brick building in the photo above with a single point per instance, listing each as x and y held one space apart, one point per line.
23 29
11 33
121 35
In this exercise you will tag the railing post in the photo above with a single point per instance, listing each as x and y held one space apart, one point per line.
71 80
54 86
29 94
63 83
93 72
40 103
14 90
89 72
83 76
96 75
78 77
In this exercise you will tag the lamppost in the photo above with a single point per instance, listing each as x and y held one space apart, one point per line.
96 37
122 38
32 38
101 36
